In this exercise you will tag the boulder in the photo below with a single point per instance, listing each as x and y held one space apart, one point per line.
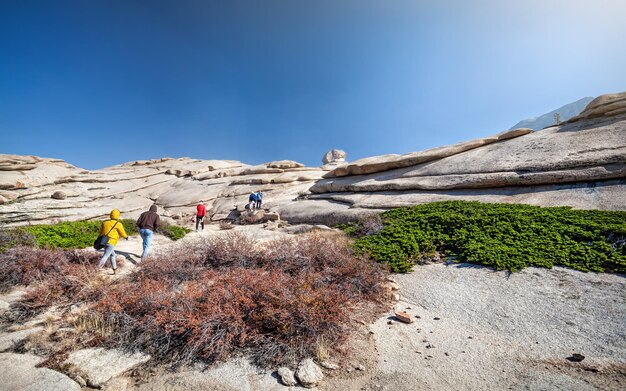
252 217
20 372
258 217
603 106
284 164
99 365
286 376
308 373
59 195
334 156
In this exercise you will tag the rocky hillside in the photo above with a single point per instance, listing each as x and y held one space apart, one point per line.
580 163
41 190
565 112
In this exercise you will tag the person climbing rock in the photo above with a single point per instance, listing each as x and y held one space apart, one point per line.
252 199
200 215
114 229
148 223
259 199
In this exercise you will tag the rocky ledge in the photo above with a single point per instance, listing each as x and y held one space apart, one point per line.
579 163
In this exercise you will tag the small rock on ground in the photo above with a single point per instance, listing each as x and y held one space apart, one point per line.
308 373
100 365
329 365
286 376
403 317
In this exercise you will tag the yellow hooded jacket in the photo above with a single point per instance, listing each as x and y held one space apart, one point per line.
116 232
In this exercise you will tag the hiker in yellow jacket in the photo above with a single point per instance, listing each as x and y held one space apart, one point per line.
114 229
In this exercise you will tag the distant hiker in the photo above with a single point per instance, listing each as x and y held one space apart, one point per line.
259 199
148 223
252 199
200 215
114 229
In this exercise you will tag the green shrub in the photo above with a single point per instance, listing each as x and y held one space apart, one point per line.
503 236
174 232
75 234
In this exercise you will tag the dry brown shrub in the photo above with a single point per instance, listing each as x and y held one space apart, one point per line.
25 265
277 302
73 283
233 249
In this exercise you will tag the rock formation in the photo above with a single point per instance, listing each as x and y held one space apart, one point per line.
30 187
334 156
609 105
579 163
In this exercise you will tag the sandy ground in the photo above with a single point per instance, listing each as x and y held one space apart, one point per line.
474 329
498 330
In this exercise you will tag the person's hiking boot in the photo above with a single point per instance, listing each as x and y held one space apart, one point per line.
114 271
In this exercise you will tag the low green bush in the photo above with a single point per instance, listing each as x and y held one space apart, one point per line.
503 236
75 234
174 232
80 234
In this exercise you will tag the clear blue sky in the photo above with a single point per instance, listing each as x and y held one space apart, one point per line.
102 82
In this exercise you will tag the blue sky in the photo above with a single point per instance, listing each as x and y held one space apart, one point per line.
99 83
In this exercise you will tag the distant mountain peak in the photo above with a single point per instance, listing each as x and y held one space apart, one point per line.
565 112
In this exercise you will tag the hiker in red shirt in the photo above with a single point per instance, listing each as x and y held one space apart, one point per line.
200 215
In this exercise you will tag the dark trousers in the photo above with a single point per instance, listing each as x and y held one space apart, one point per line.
199 219
258 204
